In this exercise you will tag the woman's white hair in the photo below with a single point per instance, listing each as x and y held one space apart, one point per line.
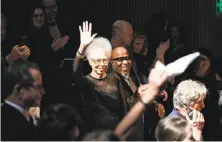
188 92
99 43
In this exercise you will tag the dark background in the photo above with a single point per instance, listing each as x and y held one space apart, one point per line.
198 17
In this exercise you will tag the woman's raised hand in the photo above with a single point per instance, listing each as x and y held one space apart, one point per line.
85 33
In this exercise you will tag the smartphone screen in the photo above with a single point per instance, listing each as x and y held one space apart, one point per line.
23 41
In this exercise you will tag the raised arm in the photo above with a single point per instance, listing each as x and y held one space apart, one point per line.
85 39
160 51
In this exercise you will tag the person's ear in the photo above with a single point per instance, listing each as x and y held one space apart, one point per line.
22 93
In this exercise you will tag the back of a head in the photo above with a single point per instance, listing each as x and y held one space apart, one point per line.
59 122
17 74
101 135
118 26
205 52
173 129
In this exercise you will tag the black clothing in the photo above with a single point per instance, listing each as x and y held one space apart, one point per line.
103 101
142 63
15 127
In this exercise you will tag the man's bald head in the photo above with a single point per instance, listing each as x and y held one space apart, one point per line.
119 52
122 33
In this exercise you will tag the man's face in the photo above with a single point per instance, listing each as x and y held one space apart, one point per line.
30 96
138 45
175 32
37 97
3 28
50 9
126 35
121 61
99 62
199 105
38 18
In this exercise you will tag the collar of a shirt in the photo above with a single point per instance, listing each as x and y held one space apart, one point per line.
17 107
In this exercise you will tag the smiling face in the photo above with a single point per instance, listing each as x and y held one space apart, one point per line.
99 61
38 18
121 61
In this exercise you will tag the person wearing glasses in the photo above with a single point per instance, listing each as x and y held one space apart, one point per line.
51 10
103 102
189 97
22 83
122 65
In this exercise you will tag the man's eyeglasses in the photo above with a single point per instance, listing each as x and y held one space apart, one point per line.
99 61
121 59
27 86
51 8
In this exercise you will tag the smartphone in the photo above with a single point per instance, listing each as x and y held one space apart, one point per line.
190 115
23 41
190 111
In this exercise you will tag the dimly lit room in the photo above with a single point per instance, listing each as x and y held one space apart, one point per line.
111 70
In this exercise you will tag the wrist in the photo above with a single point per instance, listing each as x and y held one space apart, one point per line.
52 22
154 88
80 55
9 59
150 95
81 49
197 134
159 57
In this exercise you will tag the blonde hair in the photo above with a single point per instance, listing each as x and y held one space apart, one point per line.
99 43
173 129
187 92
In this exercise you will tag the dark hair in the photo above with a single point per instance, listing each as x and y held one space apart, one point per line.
101 135
45 26
17 74
58 121
172 129
205 52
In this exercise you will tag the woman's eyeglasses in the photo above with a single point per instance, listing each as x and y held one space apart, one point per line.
38 15
99 61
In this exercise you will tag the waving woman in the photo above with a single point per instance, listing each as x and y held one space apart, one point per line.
102 98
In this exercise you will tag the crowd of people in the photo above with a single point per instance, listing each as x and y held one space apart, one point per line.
116 93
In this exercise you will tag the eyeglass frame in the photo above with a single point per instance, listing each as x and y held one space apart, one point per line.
121 59
98 61
51 8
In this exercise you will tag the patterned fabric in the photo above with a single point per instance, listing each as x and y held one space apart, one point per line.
106 86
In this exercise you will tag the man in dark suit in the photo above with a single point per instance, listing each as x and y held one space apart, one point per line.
22 83
131 80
